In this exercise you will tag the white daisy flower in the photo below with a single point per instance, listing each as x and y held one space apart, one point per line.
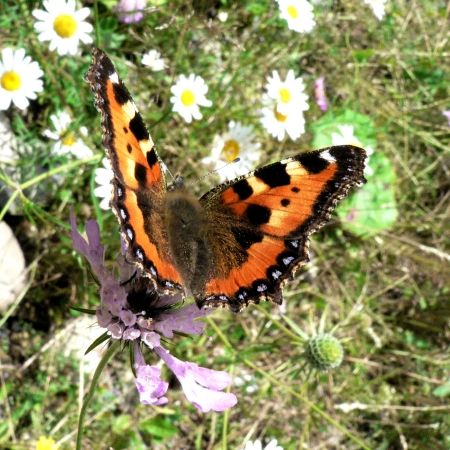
289 94
247 380
188 94
222 16
298 14
257 445
237 142
278 125
346 136
378 7
8 142
153 60
103 177
66 141
20 79
62 25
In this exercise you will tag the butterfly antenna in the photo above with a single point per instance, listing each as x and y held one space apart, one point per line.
167 170
235 160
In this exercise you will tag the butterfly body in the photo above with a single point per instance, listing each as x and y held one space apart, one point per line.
188 238
240 241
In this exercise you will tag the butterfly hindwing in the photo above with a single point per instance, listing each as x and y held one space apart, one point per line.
271 213
139 184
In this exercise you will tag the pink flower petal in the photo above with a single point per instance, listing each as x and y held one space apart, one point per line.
197 386
182 320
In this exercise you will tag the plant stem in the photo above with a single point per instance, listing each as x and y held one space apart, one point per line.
112 350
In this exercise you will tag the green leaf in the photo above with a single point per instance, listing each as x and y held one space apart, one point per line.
323 129
372 208
97 342
443 390
122 424
160 427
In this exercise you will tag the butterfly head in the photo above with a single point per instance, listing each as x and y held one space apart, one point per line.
177 184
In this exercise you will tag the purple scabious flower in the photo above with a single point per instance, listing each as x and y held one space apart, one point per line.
319 91
136 314
130 11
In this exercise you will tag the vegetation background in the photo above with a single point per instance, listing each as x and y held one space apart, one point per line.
383 292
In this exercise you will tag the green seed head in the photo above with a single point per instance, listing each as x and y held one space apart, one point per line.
324 352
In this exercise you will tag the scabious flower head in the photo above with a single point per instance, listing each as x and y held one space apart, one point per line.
237 142
66 141
130 11
298 14
378 7
63 26
288 94
319 91
20 79
153 60
103 178
137 315
324 352
188 94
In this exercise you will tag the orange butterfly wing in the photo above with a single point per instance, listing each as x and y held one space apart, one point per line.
275 209
139 183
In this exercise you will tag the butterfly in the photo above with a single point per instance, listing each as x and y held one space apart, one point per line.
240 241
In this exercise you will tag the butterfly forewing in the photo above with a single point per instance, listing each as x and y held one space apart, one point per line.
139 184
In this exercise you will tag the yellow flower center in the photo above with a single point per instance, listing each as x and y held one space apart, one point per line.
230 150
65 25
69 139
285 95
187 97
280 117
292 11
11 81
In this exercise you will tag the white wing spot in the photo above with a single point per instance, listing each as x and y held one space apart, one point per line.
327 156
139 255
276 274
288 260
130 234
114 77
261 288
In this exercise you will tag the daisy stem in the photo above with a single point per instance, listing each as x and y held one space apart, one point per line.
293 392
18 188
110 352
63 168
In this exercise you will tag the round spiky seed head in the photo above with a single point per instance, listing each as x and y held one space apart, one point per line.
324 352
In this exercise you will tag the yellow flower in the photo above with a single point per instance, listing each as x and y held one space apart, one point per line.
45 443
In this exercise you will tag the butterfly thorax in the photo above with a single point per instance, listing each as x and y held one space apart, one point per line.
187 235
